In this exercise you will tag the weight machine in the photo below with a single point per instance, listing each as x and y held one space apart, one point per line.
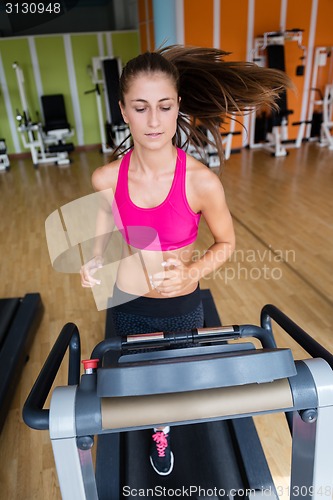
207 152
47 143
4 160
320 111
105 73
270 131
212 159
326 138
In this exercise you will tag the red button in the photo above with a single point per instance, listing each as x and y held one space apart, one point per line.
90 363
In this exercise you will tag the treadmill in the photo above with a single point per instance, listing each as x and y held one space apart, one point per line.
19 321
207 390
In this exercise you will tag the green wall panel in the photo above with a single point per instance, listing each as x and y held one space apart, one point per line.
17 50
84 48
126 45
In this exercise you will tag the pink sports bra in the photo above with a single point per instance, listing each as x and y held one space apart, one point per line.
170 225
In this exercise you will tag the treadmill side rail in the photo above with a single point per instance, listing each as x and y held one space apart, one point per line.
74 467
312 444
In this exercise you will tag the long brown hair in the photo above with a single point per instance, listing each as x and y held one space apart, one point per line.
210 88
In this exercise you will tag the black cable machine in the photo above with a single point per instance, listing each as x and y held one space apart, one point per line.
19 320
105 73
207 392
269 131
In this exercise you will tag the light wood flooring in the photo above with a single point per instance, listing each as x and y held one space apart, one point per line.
283 215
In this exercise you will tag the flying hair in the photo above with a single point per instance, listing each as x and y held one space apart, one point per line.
211 89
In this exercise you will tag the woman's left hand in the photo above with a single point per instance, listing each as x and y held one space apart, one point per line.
174 280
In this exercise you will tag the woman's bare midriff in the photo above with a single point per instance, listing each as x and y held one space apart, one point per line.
137 266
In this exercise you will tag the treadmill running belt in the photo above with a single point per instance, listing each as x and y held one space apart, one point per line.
206 464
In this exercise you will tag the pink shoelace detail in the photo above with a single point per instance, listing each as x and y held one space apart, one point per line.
161 442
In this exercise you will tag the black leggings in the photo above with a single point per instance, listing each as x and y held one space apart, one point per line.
135 315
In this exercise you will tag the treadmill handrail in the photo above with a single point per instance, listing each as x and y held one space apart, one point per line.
34 415
194 336
310 345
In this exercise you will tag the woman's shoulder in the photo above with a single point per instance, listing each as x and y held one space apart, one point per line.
203 186
105 177
200 176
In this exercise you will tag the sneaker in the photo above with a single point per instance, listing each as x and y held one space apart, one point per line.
161 457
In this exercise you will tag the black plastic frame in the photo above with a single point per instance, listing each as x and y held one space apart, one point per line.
69 338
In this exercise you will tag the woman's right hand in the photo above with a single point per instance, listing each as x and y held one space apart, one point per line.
88 270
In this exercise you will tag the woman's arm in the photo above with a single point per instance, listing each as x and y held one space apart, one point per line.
217 216
101 181
104 223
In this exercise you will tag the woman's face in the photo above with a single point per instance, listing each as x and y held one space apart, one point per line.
150 109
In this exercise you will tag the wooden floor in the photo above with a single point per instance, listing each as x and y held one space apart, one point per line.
282 210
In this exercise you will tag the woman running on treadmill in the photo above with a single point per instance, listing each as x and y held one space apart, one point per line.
161 192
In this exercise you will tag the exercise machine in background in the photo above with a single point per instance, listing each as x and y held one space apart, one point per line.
214 385
19 321
269 130
320 111
4 160
207 152
326 137
47 142
105 73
